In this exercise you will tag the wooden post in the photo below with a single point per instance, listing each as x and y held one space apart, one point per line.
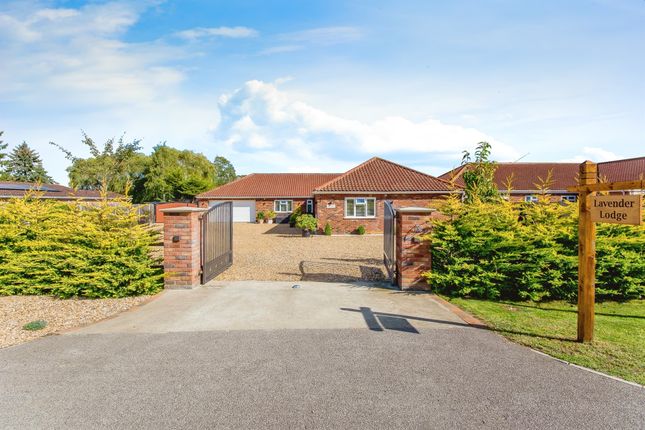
586 254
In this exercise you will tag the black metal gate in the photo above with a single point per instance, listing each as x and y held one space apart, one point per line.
217 240
389 241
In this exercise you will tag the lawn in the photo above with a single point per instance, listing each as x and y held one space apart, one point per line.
619 343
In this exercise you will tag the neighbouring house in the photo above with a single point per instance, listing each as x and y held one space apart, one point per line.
345 200
527 180
12 189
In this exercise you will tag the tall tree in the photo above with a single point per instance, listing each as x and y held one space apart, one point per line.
479 175
24 165
117 164
3 159
172 174
224 171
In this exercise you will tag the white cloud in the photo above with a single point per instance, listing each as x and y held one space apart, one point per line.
325 35
205 32
593 154
77 55
281 49
261 116
70 69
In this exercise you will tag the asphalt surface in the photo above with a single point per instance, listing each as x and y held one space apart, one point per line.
382 375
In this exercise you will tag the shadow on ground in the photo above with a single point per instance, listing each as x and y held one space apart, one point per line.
339 272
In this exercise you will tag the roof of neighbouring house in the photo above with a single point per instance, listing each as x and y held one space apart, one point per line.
270 185
631 169
377 175
10 189
527 176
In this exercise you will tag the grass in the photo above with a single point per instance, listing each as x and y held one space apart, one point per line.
35 325
619 338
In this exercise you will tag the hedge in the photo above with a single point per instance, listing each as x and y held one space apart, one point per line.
75 249
528 251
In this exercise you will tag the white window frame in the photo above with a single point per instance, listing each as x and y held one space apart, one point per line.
531 198
310 206
278 203
572 198
365 203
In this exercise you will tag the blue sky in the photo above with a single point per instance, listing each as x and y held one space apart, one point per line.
322 86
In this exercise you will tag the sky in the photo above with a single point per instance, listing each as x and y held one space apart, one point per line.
320 86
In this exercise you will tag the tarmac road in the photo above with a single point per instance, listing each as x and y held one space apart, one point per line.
353 364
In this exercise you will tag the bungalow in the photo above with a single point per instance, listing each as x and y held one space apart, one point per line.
346 200
12 189
527 179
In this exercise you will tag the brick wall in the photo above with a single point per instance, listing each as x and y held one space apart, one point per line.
181 247
412 253
267 205
341 225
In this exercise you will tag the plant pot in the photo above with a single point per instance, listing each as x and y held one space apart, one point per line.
269 221
306 233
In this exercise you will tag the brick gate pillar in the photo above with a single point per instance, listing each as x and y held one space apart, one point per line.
412 253
182 247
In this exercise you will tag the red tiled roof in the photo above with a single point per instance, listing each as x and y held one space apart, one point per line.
631 169
10 189
525 176
268 185
563 175
377 175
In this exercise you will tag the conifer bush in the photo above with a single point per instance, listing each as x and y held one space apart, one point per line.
524 251
76 249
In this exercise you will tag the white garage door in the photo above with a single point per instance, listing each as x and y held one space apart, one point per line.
243 210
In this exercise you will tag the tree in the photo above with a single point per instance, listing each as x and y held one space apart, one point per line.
172 174
24 165
479 175
117 164
3 159
224 171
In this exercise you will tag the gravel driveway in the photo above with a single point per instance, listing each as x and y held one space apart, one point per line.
266 252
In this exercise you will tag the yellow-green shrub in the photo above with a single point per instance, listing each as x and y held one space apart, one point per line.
529 251
75 249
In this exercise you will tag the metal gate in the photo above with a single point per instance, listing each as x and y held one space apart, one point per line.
217 240
389 241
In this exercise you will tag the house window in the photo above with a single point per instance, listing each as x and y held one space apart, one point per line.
283 205
360 207
530 199
310 206
571 198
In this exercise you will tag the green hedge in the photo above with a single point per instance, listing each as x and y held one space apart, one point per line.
529 252
75 249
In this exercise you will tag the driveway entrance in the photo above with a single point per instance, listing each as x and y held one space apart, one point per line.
252 305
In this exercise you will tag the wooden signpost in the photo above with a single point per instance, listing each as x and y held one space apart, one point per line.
617 209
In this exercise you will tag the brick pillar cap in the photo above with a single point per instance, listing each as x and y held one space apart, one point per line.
183 209
416 210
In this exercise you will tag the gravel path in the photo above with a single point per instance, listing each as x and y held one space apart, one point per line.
266 252
16 311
